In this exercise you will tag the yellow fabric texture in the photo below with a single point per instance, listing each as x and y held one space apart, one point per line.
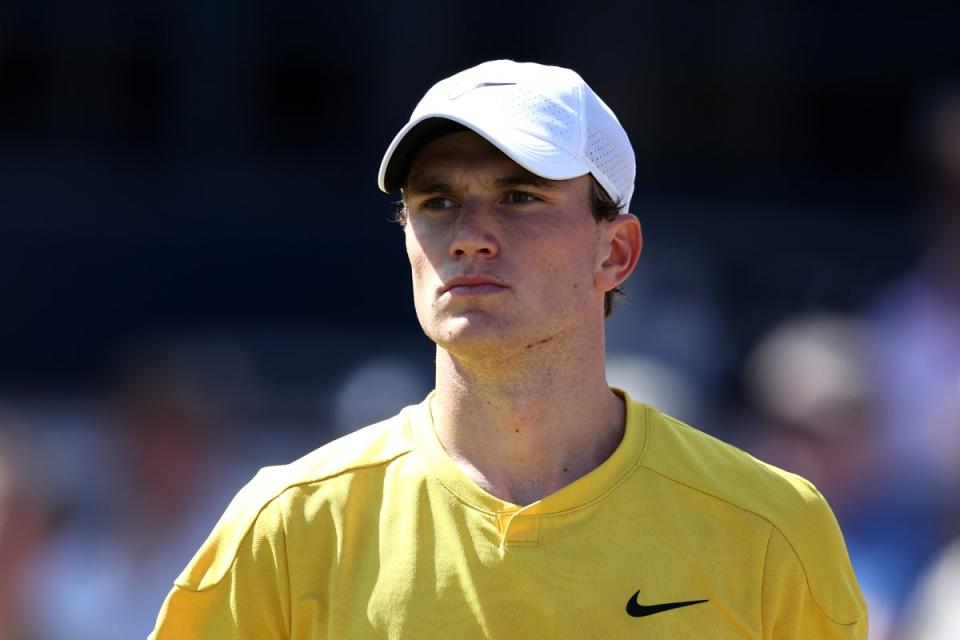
380 535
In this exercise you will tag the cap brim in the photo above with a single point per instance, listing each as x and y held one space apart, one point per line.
530 152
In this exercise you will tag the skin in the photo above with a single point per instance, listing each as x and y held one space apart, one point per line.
522 404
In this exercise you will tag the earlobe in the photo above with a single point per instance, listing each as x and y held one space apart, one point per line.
624 241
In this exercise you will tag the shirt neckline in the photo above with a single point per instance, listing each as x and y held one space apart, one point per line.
580 493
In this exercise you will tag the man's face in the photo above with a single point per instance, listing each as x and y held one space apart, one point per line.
500 258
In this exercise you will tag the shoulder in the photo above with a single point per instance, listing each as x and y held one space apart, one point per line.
259 504
370 447
793 507
706 464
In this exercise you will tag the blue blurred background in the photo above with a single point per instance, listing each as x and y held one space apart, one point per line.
199 277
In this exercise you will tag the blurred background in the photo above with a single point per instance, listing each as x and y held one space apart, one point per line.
198 275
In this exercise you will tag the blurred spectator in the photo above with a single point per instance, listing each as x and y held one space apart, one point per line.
933 613
808 383
172 475
374 389
658 384
915 367
25 521
916 344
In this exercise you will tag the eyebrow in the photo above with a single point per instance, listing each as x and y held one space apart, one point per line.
525 178
519 178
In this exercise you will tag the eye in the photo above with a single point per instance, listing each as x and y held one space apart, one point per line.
521 197
439 202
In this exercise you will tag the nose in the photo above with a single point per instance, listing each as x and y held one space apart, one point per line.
474 232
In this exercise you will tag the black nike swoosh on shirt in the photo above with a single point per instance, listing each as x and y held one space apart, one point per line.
638 610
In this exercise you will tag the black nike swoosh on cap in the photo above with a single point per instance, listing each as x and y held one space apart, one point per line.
637 610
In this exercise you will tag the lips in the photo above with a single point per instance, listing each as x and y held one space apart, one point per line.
472 285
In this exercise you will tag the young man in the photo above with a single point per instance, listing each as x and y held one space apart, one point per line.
523 497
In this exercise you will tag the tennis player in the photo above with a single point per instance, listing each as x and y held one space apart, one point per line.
523 498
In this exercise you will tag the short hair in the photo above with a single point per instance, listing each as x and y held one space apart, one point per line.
603 207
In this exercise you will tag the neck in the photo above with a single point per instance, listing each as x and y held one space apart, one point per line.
526 424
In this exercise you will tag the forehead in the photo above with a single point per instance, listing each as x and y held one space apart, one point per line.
464 153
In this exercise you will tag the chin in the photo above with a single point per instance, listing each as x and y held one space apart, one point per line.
473 337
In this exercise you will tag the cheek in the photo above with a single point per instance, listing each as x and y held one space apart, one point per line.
420 268
571 263
570 278
424 281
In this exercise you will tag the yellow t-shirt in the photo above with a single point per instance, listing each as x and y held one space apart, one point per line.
381 535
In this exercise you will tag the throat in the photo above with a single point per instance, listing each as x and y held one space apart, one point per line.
522 452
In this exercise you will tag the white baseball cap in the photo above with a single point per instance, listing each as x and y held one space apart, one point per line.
546 119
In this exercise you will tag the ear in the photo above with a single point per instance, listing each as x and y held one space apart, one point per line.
620 249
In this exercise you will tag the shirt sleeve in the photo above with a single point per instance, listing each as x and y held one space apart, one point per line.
236 587
814 598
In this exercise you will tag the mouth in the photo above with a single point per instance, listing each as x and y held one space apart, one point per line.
473 285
